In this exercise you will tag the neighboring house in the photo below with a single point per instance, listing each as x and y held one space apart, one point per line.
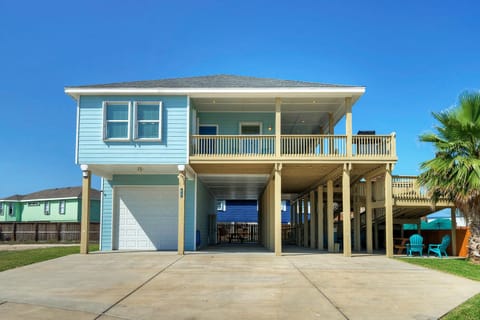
245 211
167 150
53 205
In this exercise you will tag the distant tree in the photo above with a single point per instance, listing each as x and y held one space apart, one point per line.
454 173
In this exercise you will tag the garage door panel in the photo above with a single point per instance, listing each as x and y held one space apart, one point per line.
148 218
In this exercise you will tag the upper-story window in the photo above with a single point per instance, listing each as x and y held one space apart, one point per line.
148 120
61 207
116 115
1 209
11 212
46 208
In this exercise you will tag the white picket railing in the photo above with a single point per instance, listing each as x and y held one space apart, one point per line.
291 146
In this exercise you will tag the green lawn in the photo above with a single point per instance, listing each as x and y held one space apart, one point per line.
470 309
18 258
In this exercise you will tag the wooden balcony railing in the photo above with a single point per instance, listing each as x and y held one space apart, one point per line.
313 145
291 146
373 145
233 146
406 188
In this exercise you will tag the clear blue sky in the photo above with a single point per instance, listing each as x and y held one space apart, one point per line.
414 57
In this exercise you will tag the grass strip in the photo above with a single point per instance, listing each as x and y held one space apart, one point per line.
18 258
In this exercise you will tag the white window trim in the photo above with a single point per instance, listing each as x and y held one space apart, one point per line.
222 204
136 121
60 207
250 124
46 208
112 103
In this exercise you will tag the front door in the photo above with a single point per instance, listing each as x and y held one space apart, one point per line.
207 145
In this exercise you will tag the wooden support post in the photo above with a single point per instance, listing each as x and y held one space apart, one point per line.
320 217
388 211
356 225
454 231
347 241
299 221
278 208
305 222
348 125
313 220
181 210
330 242
278 126
85 224
368 215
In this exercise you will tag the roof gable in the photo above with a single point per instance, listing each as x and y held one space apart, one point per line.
56 193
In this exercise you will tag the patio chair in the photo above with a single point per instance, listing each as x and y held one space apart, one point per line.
415 245
441 248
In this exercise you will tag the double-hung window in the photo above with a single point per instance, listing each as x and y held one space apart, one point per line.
46 208
148 120
1 209
61 207
116 124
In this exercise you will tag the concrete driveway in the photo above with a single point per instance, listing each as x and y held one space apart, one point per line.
225 285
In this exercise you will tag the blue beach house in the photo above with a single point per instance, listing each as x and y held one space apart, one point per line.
167 150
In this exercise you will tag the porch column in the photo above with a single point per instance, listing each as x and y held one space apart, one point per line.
278 126
331 127
388 211
348 125
299 221
320 218
356 223
85 224
347 241
313 220
292 213
305 221
181 210
278 208
330 215
454 231
375 231
368 215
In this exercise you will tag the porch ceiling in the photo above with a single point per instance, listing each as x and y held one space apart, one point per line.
299 115
247 181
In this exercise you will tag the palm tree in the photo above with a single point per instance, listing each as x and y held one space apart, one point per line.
454 173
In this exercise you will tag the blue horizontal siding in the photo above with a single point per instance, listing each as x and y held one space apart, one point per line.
190 215
245 211
106 216
171 150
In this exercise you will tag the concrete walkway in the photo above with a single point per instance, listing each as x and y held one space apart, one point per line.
225 285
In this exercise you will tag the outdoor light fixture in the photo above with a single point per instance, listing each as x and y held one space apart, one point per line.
181 167
84 168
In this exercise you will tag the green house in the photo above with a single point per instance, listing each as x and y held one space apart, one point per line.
52 205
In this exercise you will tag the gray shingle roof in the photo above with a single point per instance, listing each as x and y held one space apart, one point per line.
57 193
215 81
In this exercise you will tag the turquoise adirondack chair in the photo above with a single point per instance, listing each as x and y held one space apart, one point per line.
441 248
415 245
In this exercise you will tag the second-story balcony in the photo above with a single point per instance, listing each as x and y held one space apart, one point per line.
292 147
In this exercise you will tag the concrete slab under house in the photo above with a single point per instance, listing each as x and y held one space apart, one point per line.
169 150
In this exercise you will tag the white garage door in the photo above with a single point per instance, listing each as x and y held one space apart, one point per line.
147 218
